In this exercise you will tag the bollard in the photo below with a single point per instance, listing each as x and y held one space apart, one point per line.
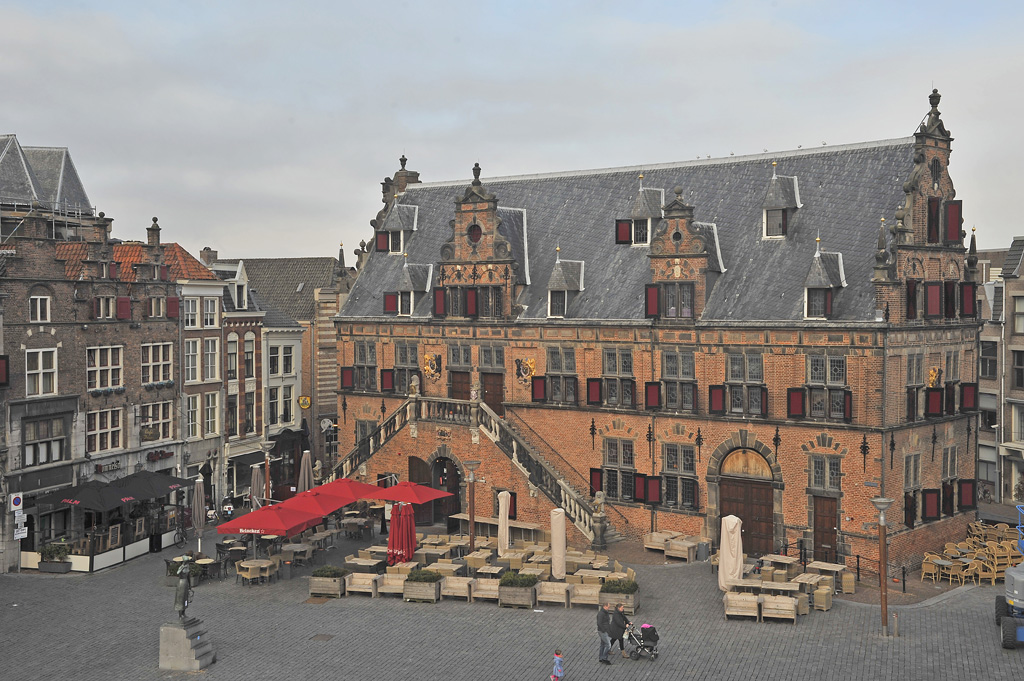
896 624
904 578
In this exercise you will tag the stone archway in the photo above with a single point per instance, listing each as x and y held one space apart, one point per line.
744 464
447 473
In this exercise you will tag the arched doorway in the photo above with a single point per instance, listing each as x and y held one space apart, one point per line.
745 491
439 471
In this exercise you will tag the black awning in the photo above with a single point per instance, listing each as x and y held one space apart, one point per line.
247 459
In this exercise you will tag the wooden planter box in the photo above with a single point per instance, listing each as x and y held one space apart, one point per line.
332 587
517 596
57 568
425 592
631 601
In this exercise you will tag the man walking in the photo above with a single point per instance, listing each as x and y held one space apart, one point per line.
604 625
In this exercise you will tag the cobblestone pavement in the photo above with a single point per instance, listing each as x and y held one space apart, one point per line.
106 626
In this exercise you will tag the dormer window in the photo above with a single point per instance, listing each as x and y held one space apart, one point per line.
556 303
396 242
775 220
819 303
240 296
636 231
405 303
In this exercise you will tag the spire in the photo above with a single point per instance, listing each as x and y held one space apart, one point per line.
972 256
817 247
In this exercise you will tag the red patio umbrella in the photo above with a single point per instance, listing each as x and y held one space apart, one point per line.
409 493
320 501
360 490
284 522
402 540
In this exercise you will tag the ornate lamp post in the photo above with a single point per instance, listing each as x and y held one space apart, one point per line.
471 466
881 504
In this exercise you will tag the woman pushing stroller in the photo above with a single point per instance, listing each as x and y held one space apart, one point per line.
618 627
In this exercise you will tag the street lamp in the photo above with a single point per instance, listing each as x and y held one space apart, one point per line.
472 466
881 503
266 446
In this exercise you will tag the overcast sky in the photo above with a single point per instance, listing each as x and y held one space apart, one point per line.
264 129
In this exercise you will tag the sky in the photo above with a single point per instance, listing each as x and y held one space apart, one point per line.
264 129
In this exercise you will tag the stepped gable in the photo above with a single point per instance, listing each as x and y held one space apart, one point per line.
843 190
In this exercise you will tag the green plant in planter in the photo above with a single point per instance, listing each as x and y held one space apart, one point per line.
620 586
424 576
56 552
516 579
332 571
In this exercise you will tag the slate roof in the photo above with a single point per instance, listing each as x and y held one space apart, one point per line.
783 192
843 189
1012 263
566 276
287 284
43 174
273 318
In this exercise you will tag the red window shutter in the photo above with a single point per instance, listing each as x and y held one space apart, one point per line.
596 481
387 380
383 242
911 404
348 379
5 370
949 298
113 269
651 309
951 398
968 299
785 221
440 309
716 399
930 504
796 399
968 397
954 210
933 398
172 308
593 391
513 507
95 309
652 395
911 300
828 303
639 487
623 231
847 405
390 303
764 401
654 489
471 307
539 389
165 272
934 211
124 307
966 494
932 299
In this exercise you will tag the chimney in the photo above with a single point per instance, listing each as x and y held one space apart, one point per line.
208 256
153 231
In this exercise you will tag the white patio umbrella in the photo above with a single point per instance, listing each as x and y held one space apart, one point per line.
504 501
730 552
305 480
558 543
199 511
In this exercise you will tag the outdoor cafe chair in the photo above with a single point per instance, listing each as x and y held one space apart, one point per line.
955 571
275 568
929 569
971 572
240 572
264 573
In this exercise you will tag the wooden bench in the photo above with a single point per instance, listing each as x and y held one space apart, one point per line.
656 540
361 582
778 607
554 592
391 583
681 548
484 588
585 594
457 587
742 605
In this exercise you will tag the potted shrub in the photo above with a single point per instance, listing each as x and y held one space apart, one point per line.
517 591
327 580
423 585
625 591
53 558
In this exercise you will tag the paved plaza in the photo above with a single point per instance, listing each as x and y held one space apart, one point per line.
106 626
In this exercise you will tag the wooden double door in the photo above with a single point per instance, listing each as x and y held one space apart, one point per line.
826 511
752 502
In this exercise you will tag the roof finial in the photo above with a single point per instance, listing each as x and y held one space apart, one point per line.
476 175
817 247
641 178
405 262
402 160
558 256
774 163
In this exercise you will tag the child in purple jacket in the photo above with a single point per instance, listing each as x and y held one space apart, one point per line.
559 670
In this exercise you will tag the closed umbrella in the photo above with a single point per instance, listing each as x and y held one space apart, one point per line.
730 552
256 487
199 511
402 540
504 501
305 481
558 543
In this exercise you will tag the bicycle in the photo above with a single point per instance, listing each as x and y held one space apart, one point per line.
181 532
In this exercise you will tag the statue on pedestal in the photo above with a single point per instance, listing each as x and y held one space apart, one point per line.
183 592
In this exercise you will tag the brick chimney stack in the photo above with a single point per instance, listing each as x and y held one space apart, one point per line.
153 232
208 256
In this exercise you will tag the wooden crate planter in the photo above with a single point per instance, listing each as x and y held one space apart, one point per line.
630 601
517 596
422 592
330 587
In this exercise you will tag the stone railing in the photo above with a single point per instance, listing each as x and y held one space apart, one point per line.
369 445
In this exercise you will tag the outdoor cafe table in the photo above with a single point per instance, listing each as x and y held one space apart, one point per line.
780 563
406 567
320 538
431 554
751 585
782 588
447 569
256 563
381 551
535 571
808 580
457 546
586 572
364 565
832 568
490 571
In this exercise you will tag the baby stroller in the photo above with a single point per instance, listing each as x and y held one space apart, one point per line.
644 641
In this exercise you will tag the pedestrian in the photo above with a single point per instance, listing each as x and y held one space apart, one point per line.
619 624
559 669
604 625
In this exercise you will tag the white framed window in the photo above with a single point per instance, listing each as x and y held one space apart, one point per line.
40 372
286 360
103 367
1018 423
273 405
818 302
240 297
106 307
211 413
286 405
556 303
912 471
190 312
159 416
775 222
949 470
211 313
43 442
211 359
192 416
39 309
103 430
232 367
274 360
156 362
191 360
250 355
158 306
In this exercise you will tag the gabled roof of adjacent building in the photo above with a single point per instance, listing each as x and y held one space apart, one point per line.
288 284
43 174
843 191
1012 263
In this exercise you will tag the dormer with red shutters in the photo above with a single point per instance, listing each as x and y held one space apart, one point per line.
683 253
